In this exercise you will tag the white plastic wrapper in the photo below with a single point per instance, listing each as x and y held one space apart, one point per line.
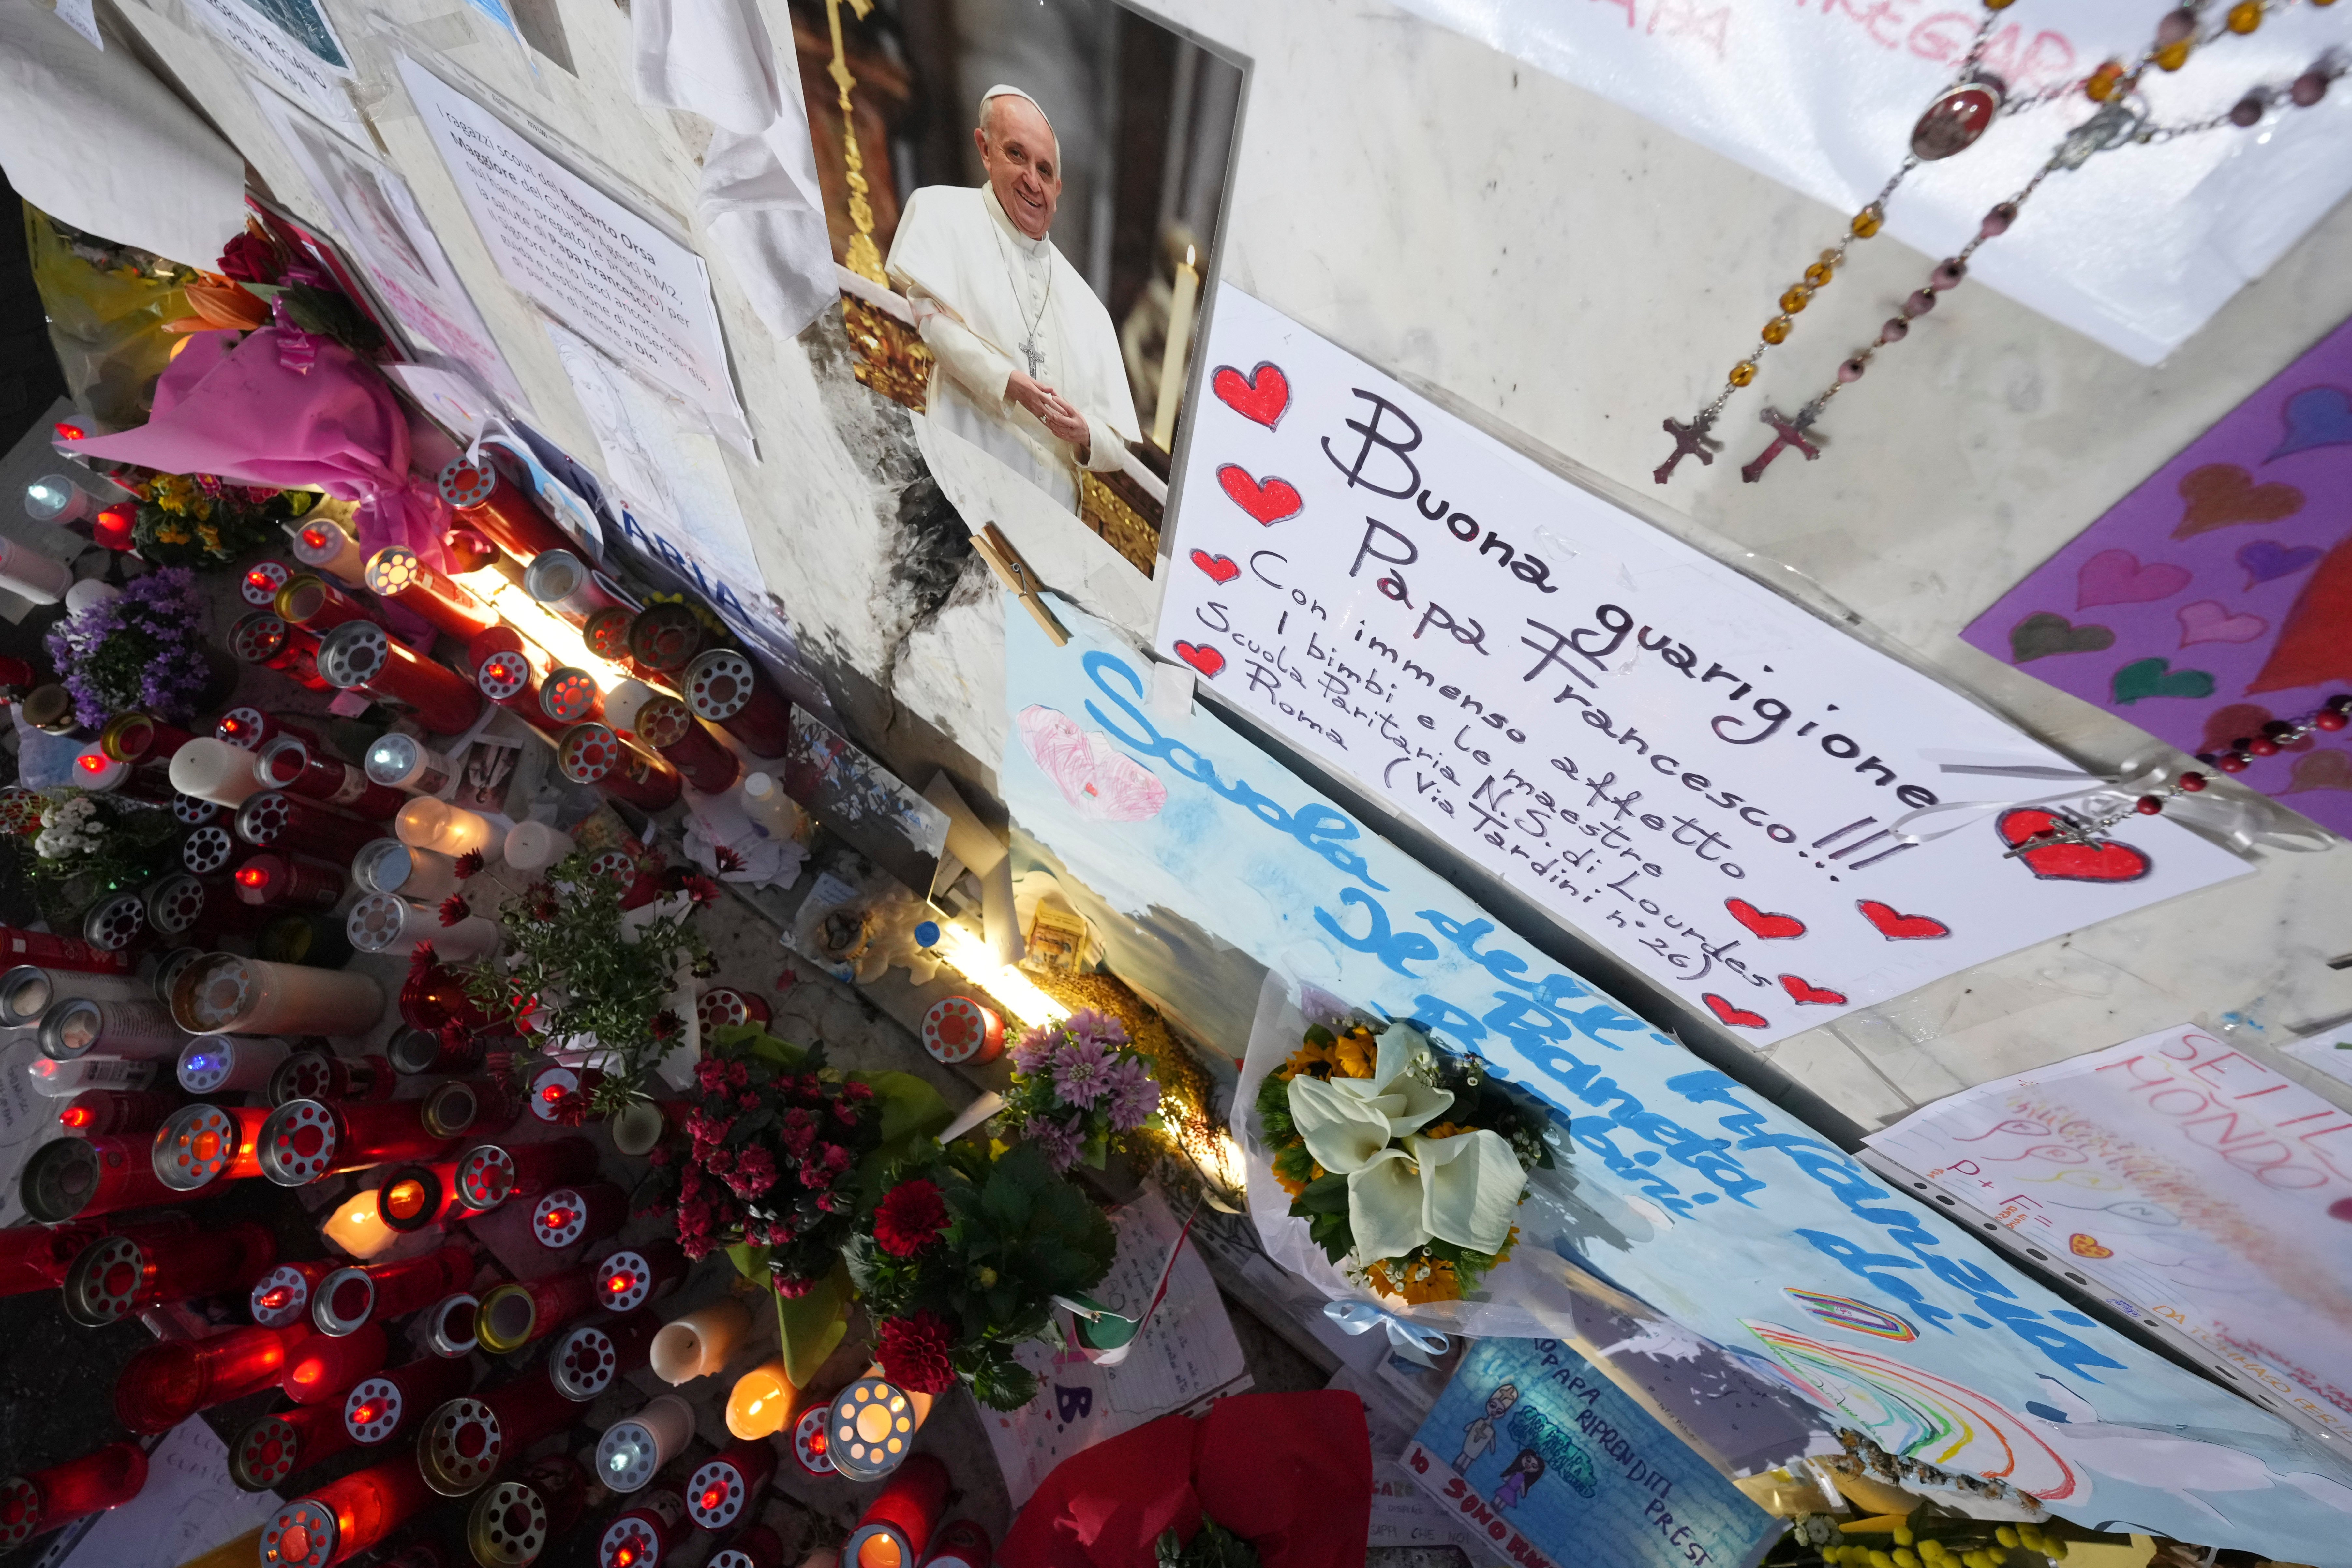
2137 250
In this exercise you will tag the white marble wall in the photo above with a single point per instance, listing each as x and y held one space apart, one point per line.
1567 275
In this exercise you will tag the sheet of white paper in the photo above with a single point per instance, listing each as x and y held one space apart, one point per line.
376 216
2188 1182
78 16
1680 764
584 257
2137 250
2331 1053
448 395
189 1507
28 1121
278 59
146 169
1185 1354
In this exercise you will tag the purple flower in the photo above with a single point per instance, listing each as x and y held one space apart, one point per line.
1058 1143
1081 1068
1130 1094
1036 1048
140 648
1098 1028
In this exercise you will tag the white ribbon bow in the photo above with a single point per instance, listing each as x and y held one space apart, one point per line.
1362 1316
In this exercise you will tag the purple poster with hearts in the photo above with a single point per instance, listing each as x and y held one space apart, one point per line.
2217 595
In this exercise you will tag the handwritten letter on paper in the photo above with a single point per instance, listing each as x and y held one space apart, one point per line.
582 257
1687 768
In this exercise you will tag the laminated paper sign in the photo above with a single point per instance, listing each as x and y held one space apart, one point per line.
1709 1204
2192 1183
1692 772
1552 1465
582 257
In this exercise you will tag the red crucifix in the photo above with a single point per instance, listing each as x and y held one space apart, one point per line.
1790 433
1690 440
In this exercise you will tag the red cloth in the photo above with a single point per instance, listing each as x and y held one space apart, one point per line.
1289 1473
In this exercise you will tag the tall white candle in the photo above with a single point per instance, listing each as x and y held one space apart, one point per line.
29 574
1171 358
214 770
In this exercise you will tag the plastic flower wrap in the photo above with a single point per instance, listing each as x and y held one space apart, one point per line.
209 524
108 840
1408 1162
960 1260
1078 1088
140 650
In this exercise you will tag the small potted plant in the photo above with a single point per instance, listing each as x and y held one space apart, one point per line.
140 650
1078 1088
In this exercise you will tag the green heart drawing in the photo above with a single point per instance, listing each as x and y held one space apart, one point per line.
2047 632
2157 677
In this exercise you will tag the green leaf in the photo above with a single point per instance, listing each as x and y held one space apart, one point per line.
750 1262
1327 1194
813 1324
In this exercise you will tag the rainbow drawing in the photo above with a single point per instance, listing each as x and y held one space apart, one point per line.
1846 1312
1906 1411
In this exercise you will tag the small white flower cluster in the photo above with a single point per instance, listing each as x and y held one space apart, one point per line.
70 827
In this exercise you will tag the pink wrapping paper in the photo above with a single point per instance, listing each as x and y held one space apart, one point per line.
235 410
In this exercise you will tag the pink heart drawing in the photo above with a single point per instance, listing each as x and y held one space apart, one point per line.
1099 780
2209 620
2116 577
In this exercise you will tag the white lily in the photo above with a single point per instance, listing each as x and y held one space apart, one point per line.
1462 1188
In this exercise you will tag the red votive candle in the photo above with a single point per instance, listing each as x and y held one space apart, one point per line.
321 1367
727 688
489 1174
630 1277
322 546
266 638
509 677
486 500
378 1406
642 1536
349 1299
587 1357
292 763
757 1546
571 1215
521 1310
594 755
259 585
184 902
290 824
668 726
35 1504
81 1178
463 1441
726 1486
896 1528
322 1075
107 1112
276 1445
209 1146
666 636
311 602
338 1521
49 951
165 1384
281 1297
306 1141
276 882
398 574
360 657
117 1276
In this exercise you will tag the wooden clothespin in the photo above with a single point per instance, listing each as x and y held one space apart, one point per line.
1013 571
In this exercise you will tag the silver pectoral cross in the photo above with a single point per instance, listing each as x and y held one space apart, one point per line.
1033 355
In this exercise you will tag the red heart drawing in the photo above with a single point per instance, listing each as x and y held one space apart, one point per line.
1805 993
1220 568
1896 927
2104 860
1740 1017
1263 395
1271 502
1201 656
1766 926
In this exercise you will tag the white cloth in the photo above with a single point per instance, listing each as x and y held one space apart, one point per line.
758 198
90 137
981 288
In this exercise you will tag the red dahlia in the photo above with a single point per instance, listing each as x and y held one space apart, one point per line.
911 1217
916 1353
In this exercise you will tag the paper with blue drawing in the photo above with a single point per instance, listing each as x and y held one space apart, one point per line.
1531 1448
1705 1201
1683 765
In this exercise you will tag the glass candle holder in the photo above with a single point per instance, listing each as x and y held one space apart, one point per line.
521 1310
535 846
286 883
585 1359
338 1521
509 677
323 1075
378 1407
417 1052
725 1486
666 637
201 1146
699 1342
594 755
405 763
82 1178
726 687
228 995
281 1297
30 990
266 638
362 657
466 1438
757 1546
425 822
308 600
643 1536
811 1444
633 1275
290 824
29 574
637 1446
165 1384
488 501
388 865
321 545
306 1141
248 729
140 737
117 1276
896 1528
214 770
182 902
418 1196
386 923
671 728
491 1175
46 1499
349 1299
724 1006
449 1325
763 1402
280 1445
291 763
78 1026
321 1367
398 574
104 1112
513 1521
566 585
873 1426
259 585
568 1216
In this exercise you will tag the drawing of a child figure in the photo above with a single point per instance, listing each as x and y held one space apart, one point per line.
1522 1473
1479 1434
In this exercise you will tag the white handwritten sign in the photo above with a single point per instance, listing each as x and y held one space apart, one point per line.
582 257
1687 768
2191 1183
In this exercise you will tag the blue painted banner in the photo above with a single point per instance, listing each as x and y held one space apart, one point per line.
1945 1352
1533 1449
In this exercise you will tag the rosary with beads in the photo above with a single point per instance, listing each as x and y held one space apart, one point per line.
1953 123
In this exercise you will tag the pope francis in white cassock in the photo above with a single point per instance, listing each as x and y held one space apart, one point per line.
1028 363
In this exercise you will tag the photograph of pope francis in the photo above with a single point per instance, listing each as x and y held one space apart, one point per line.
1029 194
